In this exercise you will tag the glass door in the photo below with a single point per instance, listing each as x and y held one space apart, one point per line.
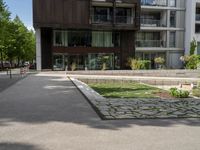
58 62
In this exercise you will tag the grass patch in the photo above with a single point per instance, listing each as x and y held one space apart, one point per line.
126 90
196 92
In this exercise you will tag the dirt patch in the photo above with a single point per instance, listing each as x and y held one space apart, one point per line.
164 95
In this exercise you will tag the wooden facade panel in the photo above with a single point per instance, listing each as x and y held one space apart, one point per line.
68 4
84 50
61 13
127 47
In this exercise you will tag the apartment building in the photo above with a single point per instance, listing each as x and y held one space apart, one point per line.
162 31
85 34
192 24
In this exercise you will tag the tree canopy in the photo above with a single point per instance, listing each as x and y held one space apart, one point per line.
17 43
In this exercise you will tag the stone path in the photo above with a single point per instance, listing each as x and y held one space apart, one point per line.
140 108
148 108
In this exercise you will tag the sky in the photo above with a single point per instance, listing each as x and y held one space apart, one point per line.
22 8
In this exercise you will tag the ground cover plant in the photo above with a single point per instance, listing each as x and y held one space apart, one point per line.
179 93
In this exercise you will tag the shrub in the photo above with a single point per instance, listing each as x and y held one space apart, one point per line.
159 60
138 64
179 93
73 66
191 62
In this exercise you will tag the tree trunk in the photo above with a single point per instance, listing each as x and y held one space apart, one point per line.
1 59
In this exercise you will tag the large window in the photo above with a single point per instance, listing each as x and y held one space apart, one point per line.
172 42
123 15
172 3
102 14
101 61
105 39
86 39
79 38
60 38
172 18
198 48
154 2
150 39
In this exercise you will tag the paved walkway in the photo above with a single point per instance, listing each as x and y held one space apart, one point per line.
6 81
47 112
144 79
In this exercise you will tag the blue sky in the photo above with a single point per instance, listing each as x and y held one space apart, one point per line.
22 8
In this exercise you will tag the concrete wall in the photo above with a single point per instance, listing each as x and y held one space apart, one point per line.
38 49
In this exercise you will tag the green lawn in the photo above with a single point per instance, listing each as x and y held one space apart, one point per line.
125 90
196 92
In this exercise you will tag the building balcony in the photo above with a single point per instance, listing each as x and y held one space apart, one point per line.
154 2
105 19
124 20
101 19
150 43
151 23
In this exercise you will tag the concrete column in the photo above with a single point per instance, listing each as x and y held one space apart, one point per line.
190 23
38 49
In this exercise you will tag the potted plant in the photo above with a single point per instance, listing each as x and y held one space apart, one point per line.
159 61
73 66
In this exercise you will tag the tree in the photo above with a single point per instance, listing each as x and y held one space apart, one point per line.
4 19
16 41
25 41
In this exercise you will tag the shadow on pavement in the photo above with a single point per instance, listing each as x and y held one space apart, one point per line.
37 100
17 146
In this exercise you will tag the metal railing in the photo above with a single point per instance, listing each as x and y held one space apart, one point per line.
101 19
109 19
124 19
172 44
150 43
151 23
154 2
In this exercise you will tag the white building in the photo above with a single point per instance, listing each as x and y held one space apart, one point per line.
162 31
192 24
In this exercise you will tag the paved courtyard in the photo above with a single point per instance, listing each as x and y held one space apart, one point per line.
47 112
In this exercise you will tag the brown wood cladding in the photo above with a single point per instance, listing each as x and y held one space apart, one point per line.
84 50
127 47
73 14
61 13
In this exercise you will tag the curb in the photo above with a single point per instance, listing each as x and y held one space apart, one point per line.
73 80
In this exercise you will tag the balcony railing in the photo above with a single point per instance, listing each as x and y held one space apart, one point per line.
109 19
154 2
101 19
150 43
197 17
172 44
124 19
151 23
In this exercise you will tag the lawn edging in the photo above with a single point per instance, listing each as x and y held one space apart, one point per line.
90 95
